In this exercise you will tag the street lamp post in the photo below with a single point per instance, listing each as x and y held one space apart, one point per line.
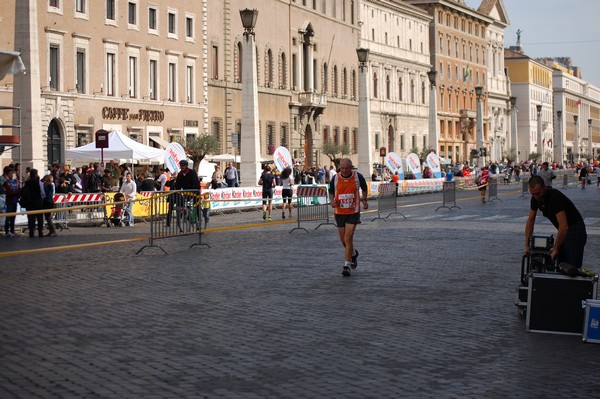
540 146
434 137
479 93
513 127
576 139
365 154
250 134
559 141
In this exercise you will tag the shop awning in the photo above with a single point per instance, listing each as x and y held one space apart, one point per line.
160 141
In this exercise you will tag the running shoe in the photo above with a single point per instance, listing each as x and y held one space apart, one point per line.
346 271
264 215
355 259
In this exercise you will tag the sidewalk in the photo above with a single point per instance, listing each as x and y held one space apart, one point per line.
429 312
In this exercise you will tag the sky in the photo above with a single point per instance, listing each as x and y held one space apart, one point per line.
556 28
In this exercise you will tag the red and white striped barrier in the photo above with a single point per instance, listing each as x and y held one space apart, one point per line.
311 191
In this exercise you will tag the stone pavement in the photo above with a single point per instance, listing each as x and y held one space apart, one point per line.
429 312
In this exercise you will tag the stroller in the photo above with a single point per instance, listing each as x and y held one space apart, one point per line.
118 213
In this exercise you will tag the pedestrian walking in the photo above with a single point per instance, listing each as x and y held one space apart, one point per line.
48 203
32 196
484 178
345 198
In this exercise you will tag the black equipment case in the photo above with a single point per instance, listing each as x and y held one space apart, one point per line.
556 303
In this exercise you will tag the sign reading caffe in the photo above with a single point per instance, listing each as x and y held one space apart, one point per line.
143 115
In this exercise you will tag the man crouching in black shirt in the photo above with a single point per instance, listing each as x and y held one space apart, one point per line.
560 210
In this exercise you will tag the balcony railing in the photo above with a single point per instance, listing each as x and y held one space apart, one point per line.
309 98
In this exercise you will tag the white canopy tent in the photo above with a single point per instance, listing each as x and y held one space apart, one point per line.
119 147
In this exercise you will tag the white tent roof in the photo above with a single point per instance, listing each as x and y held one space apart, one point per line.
10 63
119 147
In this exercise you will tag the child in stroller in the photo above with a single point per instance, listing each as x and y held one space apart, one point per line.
118 213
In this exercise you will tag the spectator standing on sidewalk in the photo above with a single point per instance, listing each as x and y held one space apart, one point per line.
129 189
10 187
231 176
32 198
49 191
344 196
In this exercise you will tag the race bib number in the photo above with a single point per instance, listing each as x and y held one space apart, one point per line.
346 201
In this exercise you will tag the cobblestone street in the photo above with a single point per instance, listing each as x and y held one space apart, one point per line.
429 312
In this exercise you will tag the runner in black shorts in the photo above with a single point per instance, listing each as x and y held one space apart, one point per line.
345 197
287 182
267 180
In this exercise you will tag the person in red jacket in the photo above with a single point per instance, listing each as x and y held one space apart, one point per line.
484 178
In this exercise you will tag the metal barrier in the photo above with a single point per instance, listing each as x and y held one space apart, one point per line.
493 190
312 204
183 216
88 214
524 188
448 196
387 201
60 217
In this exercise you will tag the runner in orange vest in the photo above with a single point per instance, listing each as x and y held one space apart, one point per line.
344 196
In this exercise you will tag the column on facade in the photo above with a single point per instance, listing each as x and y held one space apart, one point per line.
310 67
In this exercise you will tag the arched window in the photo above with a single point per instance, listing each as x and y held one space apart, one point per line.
335 81
282 71
325 78
388 88
354 97
400 88
344 83
269 75
375 85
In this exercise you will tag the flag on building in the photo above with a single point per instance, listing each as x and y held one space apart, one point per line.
579 102
467 73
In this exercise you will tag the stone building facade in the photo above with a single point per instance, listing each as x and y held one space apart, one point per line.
459 51
134 66
307 75
397 35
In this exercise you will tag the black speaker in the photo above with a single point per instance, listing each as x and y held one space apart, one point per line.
556 303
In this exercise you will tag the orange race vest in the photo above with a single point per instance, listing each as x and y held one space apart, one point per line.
347 194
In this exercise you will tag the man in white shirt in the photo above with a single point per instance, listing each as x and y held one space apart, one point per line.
162 179
129 189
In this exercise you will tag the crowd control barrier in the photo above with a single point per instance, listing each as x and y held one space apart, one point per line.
312 204
387 201
89 214
60 217
175 213
449 196
493 190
